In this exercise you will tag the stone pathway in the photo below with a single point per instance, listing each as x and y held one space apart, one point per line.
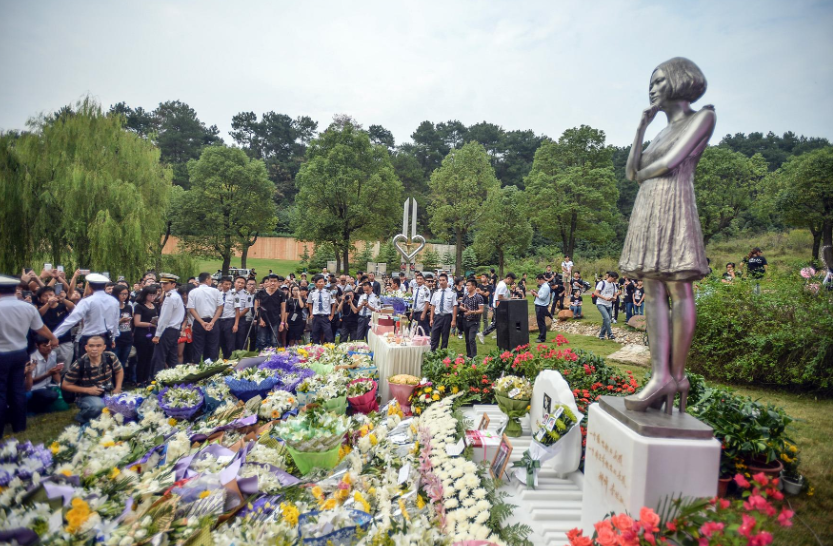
623 335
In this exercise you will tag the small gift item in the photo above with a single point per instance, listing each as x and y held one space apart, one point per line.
251 382
401 387
124 403
418 337
513 394
361 393
181 401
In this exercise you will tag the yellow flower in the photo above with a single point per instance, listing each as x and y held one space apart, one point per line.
114 473
420 502
317 492
153 382
54 448
66 473
275 414
150 389
347 479
455 389
77 515
435 397
342 494
205 494
172 421
108 443
371 491
811 492
105 410
290 513
373 440
793 449
528 408
442 388
360 500
404 511
330 504
418 410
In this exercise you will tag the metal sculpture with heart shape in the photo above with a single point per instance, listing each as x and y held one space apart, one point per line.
409 257
403 237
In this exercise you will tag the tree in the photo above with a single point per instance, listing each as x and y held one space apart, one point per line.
347 190
230 199
380 135
140 121
181 137
458 190
519 153
804 194
90 187
469 259
366 255
505 228
176 194
491 136
452 133
430 259
774 149
725 184
573 188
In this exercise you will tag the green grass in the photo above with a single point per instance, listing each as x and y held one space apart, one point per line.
261 265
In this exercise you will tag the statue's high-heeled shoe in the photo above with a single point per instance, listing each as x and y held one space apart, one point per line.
651 396
683 386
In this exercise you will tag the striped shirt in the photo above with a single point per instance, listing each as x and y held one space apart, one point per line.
82 373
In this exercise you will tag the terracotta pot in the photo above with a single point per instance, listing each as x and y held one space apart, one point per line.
770 470
723 486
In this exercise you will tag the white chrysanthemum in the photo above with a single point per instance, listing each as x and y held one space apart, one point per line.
479 493
483 505
482 517
451 504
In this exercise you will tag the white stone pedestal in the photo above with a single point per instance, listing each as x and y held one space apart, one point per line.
624 471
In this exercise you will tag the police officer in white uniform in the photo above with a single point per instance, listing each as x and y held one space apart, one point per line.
171 317
443 313
368 304
228 318
321 304
100 313
16 319
422 301
205 306
244 302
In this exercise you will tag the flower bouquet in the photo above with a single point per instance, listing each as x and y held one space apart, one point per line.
190 373
181 401
545 443
513 394
284 362
22 460
361 394
276 404
263 478
251 382
124 403
424 395
331 527
314 438
401 386
290 380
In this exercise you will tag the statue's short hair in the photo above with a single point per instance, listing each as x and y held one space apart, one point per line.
685 78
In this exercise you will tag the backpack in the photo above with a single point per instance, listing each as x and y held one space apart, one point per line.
69 397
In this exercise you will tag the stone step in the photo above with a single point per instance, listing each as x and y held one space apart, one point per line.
548 494
556 514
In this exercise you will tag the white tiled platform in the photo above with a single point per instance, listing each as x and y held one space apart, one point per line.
554 507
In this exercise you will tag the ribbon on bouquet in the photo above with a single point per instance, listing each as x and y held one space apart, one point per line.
531 465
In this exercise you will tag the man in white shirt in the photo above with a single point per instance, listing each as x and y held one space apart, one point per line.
43 375
171 317
606 293
542 303
443 313
16 319
422 301
228 318
567 267
205 306
244 302
321 305
368 304
100 313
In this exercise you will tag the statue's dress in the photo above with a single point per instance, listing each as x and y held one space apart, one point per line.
664 240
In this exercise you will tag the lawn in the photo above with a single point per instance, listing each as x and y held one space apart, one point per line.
261 265
812 431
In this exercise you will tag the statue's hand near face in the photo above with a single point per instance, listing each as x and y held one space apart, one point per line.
648 116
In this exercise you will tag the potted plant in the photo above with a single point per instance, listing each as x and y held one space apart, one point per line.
791 479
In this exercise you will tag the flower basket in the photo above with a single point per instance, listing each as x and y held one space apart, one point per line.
341 537
290 384
364 371
245 389
250 486
514 410
402 393
308 460
181 412
336 405
125 404
305 398
322 369
204 373
366 402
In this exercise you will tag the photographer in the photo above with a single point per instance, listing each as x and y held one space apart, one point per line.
349 317
92 376
53 310
42 377
558 293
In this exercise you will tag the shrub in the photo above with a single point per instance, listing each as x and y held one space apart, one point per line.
183 265
781 337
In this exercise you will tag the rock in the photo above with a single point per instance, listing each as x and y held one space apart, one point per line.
636 355
637 322
624 336
565 314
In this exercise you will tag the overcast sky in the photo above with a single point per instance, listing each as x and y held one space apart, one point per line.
545 66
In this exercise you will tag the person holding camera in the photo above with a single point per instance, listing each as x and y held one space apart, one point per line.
96 374
367 305
295 316
42 377
606 294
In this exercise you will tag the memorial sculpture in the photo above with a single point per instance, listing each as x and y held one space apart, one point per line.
664 246
408 255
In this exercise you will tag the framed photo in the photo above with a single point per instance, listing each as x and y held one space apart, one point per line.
504 450
484 422
547 403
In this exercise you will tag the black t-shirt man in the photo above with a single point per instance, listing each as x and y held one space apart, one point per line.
270 306
486 290
756 266
53 317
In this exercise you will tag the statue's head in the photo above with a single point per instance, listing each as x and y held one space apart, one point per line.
683 80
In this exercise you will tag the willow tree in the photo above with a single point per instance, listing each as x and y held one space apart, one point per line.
231 196
99 191
459 189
